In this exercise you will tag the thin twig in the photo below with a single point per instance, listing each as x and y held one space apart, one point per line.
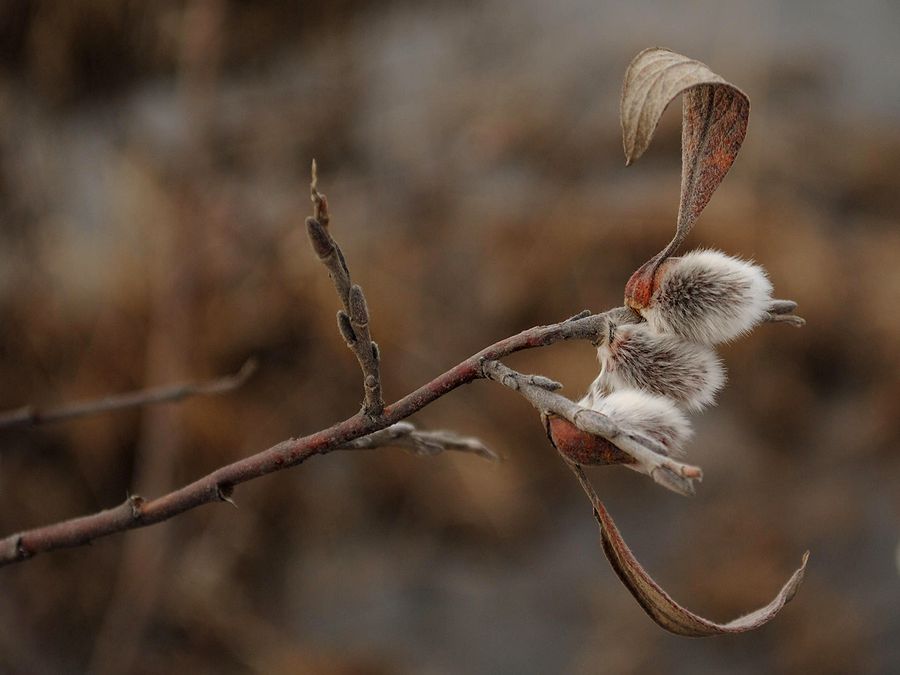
429 443
30 416
353 319
666 471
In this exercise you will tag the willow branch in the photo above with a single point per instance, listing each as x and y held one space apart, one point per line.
218 485
30 416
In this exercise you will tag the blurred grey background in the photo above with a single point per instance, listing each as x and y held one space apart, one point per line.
154 162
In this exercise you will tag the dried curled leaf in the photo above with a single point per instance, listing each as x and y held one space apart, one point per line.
657 603
715 115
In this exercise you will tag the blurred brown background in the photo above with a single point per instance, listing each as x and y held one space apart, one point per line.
153 186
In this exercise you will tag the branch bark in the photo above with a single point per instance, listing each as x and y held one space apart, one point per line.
218 485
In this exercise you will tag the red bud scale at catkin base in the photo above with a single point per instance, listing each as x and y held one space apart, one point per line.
636 357
704 296
633 412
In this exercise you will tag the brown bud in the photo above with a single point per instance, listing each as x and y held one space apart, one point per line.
359 311
344 326
319 238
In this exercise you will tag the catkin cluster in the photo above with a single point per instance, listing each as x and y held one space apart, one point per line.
651 373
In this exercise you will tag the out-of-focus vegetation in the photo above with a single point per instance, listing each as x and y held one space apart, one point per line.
154 160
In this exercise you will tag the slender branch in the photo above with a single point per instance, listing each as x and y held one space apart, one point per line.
649 459
218 485
30 416
353 319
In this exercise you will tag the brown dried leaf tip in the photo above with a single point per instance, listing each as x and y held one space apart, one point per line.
658 604
650 372
714 122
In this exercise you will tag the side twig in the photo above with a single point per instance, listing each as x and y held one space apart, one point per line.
428 443
30 416
353 319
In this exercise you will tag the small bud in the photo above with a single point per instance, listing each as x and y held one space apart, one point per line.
376 353
344 326
637 358
545 383
707 296
319 238
359 311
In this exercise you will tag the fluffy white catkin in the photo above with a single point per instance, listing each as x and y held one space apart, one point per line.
636 357
640 412
707 296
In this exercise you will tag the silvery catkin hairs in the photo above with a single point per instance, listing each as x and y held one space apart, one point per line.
636 357
645 414
707 297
